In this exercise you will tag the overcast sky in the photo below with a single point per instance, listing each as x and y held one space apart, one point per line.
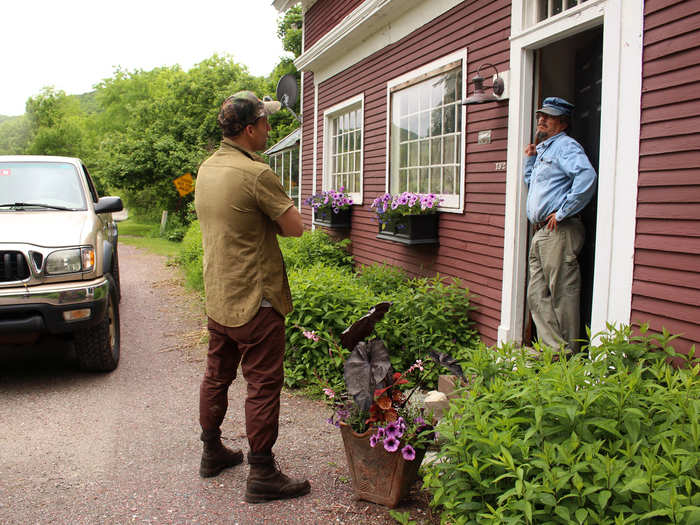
74 44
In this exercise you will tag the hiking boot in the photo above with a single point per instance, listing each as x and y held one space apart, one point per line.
215 456
266 482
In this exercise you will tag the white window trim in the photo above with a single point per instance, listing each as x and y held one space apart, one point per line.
328 114
458 205
619 155
289 152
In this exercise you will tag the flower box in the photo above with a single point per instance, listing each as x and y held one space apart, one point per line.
326 217
411 229
377 475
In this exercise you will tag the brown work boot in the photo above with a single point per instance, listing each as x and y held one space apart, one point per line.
266 482
215 456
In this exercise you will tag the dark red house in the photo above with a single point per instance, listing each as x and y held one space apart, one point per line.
382 86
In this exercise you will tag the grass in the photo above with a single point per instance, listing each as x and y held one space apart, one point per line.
142 235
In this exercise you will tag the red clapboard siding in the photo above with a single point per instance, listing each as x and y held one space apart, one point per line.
471 243
666 285
324 16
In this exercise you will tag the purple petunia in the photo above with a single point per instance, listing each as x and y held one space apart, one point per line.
381 433
393 430
408 453
373 440
391 444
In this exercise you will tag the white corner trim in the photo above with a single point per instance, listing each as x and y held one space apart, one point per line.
370 27
357 100
315 154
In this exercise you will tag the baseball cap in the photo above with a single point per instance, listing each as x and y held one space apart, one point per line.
556 107
243 108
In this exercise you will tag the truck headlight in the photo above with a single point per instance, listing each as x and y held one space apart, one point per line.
70 261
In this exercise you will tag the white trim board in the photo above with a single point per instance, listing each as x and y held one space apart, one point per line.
619 155
372 26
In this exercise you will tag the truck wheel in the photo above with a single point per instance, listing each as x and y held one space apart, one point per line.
115 275
97 348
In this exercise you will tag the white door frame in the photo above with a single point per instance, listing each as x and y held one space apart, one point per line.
622 22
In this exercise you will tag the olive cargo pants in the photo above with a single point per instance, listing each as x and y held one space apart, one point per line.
554 288
259 348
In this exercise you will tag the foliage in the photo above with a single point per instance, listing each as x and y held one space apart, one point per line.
383 279
190 257
611 438
289 30
315 247
391 209
14 135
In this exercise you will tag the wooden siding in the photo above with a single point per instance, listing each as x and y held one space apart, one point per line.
666 286
323 16
307 144
471 243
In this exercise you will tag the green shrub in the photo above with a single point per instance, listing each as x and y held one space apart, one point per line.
191 257
383 279
327 300
315 247
614 438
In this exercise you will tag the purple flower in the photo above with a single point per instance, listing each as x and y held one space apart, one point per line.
393 430
408 453
419 421
373 440
381 433
391 444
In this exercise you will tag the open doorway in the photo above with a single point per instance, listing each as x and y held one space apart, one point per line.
572 69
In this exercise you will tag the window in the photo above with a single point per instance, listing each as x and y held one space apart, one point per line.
342 147
426 132
286 165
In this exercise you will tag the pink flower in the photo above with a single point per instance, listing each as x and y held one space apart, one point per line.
329 393
408 453
311 335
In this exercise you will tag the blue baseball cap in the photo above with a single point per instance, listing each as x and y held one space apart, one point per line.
556 107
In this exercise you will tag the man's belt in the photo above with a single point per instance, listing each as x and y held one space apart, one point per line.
536 226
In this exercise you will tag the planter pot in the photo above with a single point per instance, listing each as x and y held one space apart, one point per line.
411 229
333 220
377 475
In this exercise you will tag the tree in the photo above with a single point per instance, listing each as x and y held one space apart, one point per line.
289 30
15 133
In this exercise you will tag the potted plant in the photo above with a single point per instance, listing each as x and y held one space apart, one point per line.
331 208
385 436
408 218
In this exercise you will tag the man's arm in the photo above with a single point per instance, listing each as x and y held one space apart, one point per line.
530 156
290 223
575 163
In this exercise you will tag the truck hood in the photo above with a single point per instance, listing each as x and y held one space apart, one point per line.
43 228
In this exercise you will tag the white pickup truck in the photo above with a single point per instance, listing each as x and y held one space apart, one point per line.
59 271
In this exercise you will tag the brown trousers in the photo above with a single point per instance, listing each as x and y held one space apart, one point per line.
259 348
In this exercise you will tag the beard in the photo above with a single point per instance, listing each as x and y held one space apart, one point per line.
540 136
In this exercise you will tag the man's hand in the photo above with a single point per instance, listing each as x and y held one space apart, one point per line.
530 150
552 221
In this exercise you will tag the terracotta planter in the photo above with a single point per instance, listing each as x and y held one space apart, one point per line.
377 475
329 219
411 229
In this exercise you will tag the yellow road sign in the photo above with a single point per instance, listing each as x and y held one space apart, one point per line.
184 184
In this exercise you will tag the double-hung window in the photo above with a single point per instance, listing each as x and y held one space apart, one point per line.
426 130
342 146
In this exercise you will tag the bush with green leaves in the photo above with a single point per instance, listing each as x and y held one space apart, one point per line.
315 247
426 314
613 438
191 254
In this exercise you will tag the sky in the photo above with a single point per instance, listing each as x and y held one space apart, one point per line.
74 44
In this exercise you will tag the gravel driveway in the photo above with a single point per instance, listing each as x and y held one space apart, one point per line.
124 447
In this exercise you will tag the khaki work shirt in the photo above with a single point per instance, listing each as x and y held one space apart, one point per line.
238 198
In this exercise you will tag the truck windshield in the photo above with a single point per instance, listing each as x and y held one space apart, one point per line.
54 185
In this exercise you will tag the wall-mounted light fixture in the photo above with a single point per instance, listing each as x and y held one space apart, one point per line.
480 96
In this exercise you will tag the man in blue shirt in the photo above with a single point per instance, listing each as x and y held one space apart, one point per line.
561 182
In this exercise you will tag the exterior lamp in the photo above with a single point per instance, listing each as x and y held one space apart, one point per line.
479 96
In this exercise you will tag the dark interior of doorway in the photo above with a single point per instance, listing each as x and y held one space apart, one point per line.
573 68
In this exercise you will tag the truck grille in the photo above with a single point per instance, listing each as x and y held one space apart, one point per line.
13 266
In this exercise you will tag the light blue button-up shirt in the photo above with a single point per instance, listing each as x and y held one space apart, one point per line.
560 179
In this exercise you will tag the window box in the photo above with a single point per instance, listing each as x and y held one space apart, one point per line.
411 229
329 219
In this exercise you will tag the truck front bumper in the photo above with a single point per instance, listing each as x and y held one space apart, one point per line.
53 308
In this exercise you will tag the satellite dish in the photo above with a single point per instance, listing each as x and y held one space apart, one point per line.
287 92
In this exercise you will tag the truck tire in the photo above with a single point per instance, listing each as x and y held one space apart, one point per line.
97 348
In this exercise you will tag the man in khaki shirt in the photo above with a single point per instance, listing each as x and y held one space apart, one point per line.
242 207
